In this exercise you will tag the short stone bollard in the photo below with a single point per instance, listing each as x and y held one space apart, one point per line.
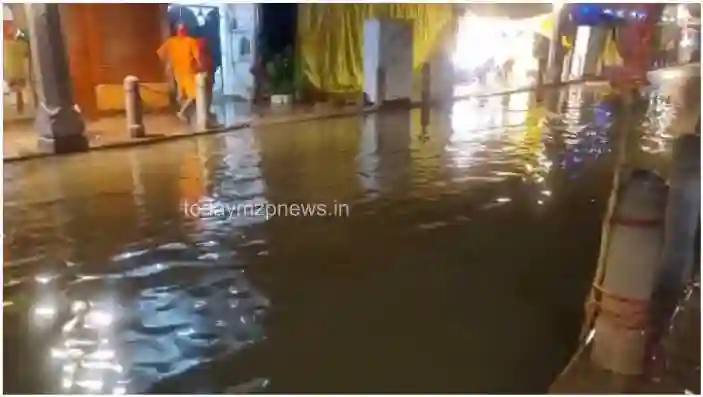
201 101
134 110
631 263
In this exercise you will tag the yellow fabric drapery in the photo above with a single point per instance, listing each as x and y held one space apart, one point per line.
15 60
611 56
546 29
331 36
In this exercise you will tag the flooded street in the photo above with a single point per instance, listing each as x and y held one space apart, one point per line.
461 266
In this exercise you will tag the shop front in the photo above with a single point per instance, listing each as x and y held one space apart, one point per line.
102 43
19 99
496 50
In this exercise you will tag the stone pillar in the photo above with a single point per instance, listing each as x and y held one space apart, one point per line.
555 59
61 128
596 44
388 45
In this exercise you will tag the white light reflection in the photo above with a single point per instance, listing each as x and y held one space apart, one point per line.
474 123
78 306
92 385
44 278
98 319
664 121
45 311
88 361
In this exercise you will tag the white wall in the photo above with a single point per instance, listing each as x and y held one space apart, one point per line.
370 54
388 44
237 79
396 50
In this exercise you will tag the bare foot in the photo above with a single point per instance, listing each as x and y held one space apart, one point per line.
182 117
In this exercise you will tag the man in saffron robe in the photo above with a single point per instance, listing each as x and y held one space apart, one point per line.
183 55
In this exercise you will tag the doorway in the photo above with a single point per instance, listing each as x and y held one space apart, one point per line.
19 95
202 21
494 52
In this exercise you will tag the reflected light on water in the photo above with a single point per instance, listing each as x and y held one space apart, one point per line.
163 295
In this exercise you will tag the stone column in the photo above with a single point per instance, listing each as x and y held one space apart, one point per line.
555 58
61 128
388 45
596 44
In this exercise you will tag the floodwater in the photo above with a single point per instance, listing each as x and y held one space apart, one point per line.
453 258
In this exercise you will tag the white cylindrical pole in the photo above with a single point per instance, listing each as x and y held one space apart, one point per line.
201 101
631 263
134 111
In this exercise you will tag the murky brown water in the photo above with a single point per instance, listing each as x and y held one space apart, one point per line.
461 267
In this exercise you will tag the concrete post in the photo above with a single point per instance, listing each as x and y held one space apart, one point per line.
596 44
201 101
134 110
61 128
381 86
631 263
555 59
426 96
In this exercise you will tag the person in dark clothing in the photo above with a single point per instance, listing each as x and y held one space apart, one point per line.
211 33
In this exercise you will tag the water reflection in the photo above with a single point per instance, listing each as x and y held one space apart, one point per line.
125 291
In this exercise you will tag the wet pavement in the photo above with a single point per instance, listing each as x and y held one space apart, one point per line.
461 265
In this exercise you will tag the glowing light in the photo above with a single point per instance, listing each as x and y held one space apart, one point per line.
58 353
98 319
67 383
102 355
686 42
483 40
47 312
92 385
43 278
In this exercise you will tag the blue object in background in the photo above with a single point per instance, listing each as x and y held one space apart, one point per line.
590 14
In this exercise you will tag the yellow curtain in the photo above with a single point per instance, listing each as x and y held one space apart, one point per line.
330 39
15 61
611 56
546 29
